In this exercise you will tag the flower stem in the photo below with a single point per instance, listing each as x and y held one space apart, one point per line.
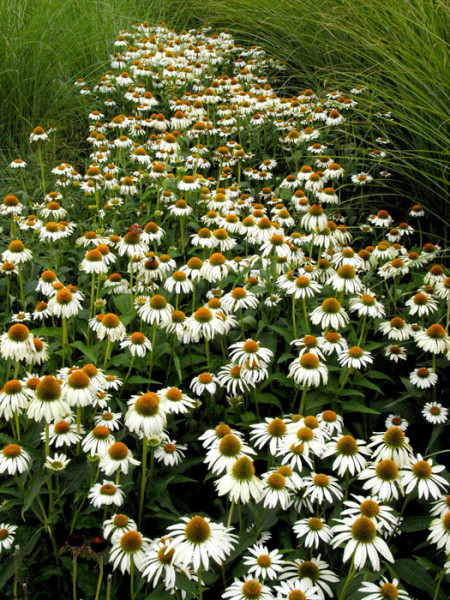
293 317
107 354
200 590
22 296
230 513
132 578
438 585
100 577
306 314
303 401
144 475
74 576
207 353
349 578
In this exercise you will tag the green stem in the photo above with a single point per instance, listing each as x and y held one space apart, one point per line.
132 578
306 314
100 578
362 330
107 354
74 576
230 515
152 352
207 353
200 589
143 478
303 401
348 580
294 325
438 585
108 586
22 296
127 375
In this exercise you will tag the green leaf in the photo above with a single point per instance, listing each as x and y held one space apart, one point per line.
88 352
411 524
31 491
411 572
354 406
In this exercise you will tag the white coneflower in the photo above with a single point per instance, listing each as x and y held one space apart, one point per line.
13 399
422 304
64 433
106 494
314 530
350 454
240 482
329 314
296 588
130 546
303 287
332 342
131 244
216 268
367 304
396 329
392 444
108 419
17 343
355 358
262 563
204 382
98 441
314 573
308 371
395 353
38 135
422 474
361 178
64 304
239 299
204 324
321 488
93 262
423 378
382 479
434 339
435 413
117 457
58 462
156 311
370 506
7 533
175 401
170 453
345 280
275 491
146 414
197 540
159 562
224 452
117 525
382 590
111 327
251 351
271 432
440 532
78 389
247 588
137 343
14 459
362 542
17 253
48 401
